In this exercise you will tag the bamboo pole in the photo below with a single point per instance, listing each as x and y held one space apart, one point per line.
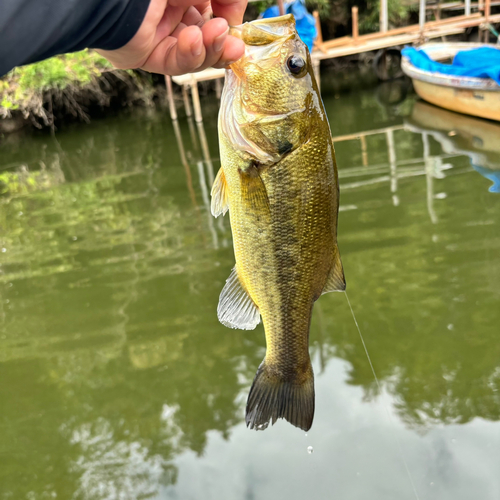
407 29
487 12
421 18
170 96
198 117
384 16
319 37
391 151
355 30
358 135
281 7
218 88
364 151
317 72
185 98
336 42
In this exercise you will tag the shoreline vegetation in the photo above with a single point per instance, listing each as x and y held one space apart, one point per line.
69 87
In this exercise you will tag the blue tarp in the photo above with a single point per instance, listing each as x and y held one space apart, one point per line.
305 22
483 62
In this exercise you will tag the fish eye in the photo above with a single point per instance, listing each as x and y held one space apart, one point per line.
296 65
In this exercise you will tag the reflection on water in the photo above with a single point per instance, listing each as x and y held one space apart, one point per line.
461 134
118 382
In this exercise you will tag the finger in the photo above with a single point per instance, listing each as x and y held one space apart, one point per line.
233 49
199 4
215 33
193 17
176 56
231 10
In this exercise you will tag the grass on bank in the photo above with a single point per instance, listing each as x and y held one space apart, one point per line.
65 85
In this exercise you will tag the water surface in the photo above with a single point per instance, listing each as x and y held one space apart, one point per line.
118 382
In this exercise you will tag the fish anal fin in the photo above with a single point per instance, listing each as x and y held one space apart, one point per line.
272 397
236 308
336 280
220 199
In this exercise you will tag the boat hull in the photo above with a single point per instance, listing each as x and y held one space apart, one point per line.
463 94
482 103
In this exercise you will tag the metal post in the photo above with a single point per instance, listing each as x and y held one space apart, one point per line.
384 16
467 7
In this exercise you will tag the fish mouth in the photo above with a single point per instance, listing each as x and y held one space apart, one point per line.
265 31
263 40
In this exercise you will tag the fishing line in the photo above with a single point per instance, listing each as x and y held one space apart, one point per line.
380 391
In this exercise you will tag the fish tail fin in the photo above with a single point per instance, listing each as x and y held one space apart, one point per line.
272 397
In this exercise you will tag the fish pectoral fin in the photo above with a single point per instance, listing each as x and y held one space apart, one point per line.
220 198
253 190
336 280
236 309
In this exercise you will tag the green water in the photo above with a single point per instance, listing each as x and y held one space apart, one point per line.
118 382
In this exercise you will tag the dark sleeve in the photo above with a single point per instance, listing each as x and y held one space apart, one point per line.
32 30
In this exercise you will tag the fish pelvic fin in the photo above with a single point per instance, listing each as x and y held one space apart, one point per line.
336 279
220 198
273 396
236 308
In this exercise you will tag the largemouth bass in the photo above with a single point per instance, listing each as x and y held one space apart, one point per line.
278 180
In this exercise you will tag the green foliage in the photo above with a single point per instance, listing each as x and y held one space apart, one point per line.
398 11
61 71
338 12
24 83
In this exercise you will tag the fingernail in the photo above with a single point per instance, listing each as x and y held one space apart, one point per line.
219 41
197 47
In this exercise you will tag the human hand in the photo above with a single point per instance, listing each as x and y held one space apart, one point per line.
179 36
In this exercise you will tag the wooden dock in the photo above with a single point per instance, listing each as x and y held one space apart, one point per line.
355 44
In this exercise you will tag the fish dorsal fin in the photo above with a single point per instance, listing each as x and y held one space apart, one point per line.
336 280
236 309
220 200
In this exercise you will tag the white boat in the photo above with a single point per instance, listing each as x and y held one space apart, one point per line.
464 94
